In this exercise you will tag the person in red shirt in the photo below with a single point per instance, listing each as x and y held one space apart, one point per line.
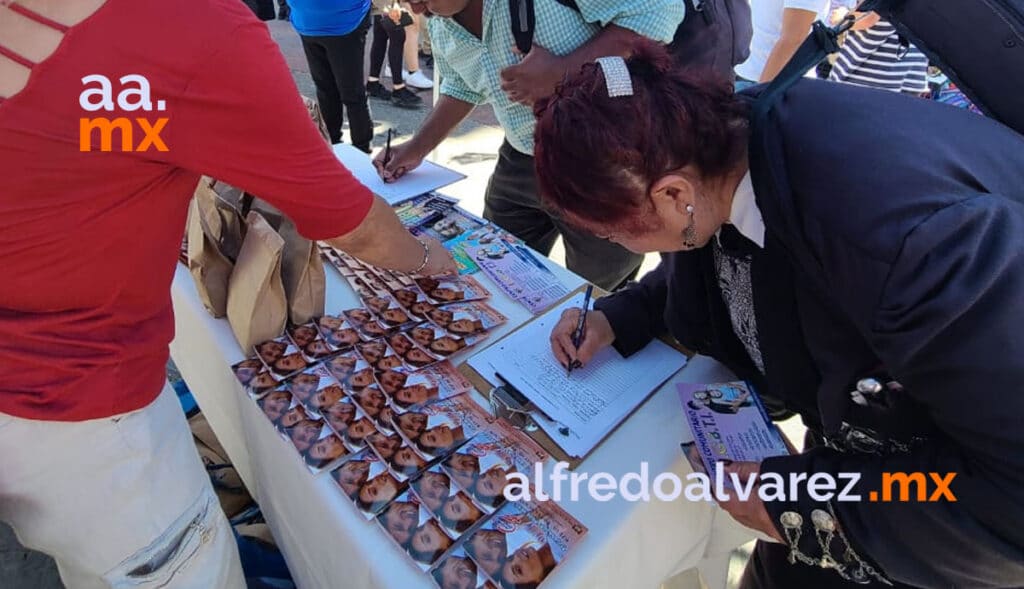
90 228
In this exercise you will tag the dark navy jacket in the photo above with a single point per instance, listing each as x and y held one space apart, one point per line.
894 243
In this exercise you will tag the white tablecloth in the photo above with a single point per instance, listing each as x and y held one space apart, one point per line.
328 544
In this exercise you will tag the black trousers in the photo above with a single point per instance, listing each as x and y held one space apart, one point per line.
513 202
389 38
336 64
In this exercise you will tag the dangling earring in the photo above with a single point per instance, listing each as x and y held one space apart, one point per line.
690 233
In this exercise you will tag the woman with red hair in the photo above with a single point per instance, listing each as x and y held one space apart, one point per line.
897 274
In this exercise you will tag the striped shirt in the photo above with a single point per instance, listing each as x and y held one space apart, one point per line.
470 68
876 57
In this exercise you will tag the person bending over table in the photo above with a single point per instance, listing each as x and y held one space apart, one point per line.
88 246
899 273
476 69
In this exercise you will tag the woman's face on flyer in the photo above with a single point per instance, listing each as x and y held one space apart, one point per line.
361 379
458 573
524 567
327 397
423 335
439 437
447 345
275 404
400 344
490 549
406 457
413 395
465 326
290 363
303 385
327 448
360 429
302 335
400 519
433 489
458 507
418 357
430 539
389 362
380 490
392 380
304 434
492 483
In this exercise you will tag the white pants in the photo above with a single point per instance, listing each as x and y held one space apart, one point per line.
118 502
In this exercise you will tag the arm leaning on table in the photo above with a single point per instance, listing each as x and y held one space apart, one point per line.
240 119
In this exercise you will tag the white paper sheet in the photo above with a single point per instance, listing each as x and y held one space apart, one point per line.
429 176
594 399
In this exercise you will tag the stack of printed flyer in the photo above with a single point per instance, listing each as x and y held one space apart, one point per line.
369 396
478 245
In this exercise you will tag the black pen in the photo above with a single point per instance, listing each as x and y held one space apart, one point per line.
387 149
581 326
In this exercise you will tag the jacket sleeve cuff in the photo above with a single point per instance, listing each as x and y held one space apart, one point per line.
629 322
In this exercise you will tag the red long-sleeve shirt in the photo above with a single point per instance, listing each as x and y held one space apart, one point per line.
89 239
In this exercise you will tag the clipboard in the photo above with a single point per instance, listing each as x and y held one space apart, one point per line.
484 386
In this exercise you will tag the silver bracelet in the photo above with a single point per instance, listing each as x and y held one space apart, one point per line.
426 257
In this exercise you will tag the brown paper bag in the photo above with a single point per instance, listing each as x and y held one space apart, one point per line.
257 308
317 116
305 282
207 262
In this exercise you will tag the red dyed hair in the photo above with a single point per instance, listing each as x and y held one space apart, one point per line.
597 157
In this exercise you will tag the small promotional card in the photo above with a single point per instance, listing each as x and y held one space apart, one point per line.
407 390
283 358
424 209
728 422
365 480
365 323
307 338
518 271
380 355
254 377
317 443
276 403
308 385
439 342
438 428
453 507
342 366
371 400
457 571
403 462
524 542
467 319
340 415
358 431
453 224
390 314
338 332
443 291
414 528
413 356
414 301
481 467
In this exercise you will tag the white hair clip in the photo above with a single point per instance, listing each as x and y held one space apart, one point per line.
616 76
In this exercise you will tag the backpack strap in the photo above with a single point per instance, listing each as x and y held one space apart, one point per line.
524 21
822 41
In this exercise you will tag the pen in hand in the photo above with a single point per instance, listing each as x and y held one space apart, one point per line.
387 150
581 328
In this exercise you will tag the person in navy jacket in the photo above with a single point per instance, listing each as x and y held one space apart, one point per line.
862 265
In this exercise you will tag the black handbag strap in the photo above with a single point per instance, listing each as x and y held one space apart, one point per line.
524 21
822 41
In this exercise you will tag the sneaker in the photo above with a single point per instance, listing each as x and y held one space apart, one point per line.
418 80
405 98
377 90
